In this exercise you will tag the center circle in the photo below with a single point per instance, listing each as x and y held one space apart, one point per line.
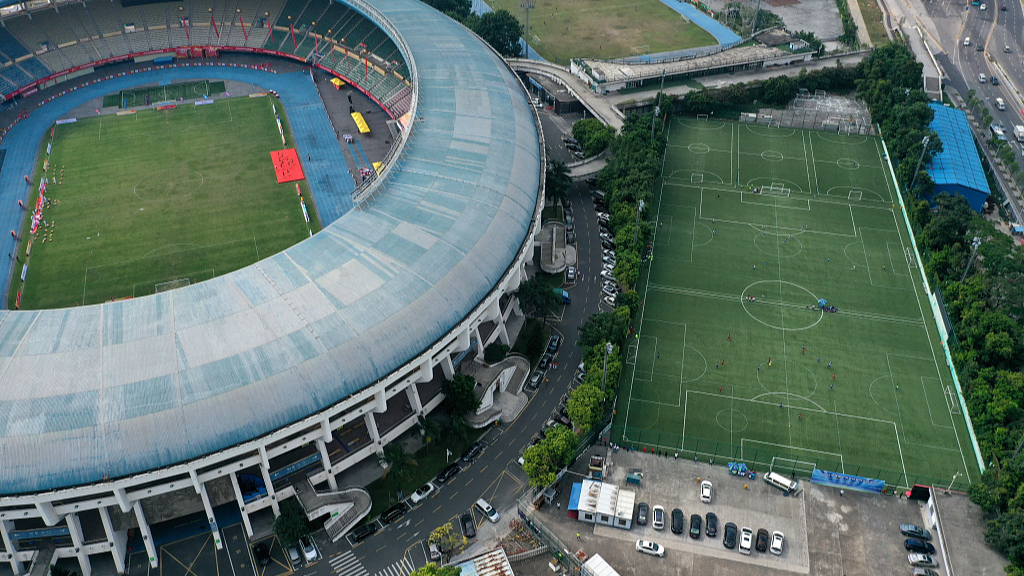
168 185
778 245
848 163
732 420
781 305
772 156
698 148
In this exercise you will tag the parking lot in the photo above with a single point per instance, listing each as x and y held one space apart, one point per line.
826 533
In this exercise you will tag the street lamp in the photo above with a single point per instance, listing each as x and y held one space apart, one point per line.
955 476
974 252
608 348
924 148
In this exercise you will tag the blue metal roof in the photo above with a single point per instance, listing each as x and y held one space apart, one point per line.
124 387
957 168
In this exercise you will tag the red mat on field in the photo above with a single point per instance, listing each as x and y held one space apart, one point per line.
286 165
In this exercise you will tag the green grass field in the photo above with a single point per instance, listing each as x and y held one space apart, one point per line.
564 29
735 281
149 201
191 90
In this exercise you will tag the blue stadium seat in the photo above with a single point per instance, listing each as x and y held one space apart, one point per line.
36 68
10 46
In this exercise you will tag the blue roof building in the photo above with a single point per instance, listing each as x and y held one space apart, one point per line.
957 169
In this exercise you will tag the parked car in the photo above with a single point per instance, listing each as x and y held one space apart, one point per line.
570 274
487 510
570 237
293 556
554 343
364 532
695 524
448 473
778 541
922 560
468 526
535 379
711 524
261 554
472 452
642 510
609 300
394 513
434 553
762 540
677 521
659 518
729 540
923 572
648 547
917 545
746 538
706 490
914 531
421 493
308 549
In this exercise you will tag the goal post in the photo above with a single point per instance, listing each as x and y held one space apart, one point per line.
702 117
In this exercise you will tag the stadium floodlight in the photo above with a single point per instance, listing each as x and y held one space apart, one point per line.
527 5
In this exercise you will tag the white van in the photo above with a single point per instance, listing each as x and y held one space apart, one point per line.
981 78
1000 104
782 483
967 41
486 509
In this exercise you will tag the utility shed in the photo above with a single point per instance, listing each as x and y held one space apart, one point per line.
490 563
957 169
596 566
602 503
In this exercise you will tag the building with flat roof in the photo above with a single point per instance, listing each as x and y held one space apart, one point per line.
957 170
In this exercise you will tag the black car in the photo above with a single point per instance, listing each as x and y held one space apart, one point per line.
261 553
677 521
729 540
915 531
545 360
570 238
472 452
916 545
468 527
695 523
554 343
995 81
762 540
711 522
642 510
364 532
447 473
394 513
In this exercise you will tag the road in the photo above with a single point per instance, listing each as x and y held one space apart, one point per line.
495 474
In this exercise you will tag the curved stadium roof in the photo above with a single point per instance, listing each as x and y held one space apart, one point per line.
125 387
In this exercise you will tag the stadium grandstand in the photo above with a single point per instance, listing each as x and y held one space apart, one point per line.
236 393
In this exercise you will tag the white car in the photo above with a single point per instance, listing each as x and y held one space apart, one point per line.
658 514
421 493
706 490
983 7
746 536
648 547
778 541
922 560
308 550
570 274
609 300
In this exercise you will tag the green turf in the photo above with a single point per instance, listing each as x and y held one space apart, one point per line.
191 90
158 197
889 413
564 29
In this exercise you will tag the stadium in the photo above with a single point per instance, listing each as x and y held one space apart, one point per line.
224 397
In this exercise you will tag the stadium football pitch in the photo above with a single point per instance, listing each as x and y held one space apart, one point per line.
148 201
759 232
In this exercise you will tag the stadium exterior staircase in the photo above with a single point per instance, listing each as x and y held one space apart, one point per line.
347 506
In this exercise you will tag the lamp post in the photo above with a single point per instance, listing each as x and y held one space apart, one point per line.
636 228
604 375
974 252
527 5
924 148
955 476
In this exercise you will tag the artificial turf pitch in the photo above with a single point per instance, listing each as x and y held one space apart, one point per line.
148 201
734 360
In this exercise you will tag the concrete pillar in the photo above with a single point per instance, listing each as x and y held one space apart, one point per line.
241 504
325 459
447 368
265 469
371 427
503 332
414 399
118 540
479 342
122 499
195 479
210 518
426 371
494 309
48 514
462 340
5 532
147 534
380 401
325 430
75 529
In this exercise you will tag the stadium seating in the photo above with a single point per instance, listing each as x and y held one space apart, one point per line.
80 34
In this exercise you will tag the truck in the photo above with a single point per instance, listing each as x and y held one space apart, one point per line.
564 295
1018 133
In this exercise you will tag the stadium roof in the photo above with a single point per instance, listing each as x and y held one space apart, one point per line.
958 165
124 387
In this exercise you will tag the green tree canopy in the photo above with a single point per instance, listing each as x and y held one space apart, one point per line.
585 405
291 525
603 327
592 135
538 298
460 395
557 182
502 31
431 569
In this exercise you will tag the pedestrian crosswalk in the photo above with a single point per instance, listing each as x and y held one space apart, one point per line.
346 564
401 568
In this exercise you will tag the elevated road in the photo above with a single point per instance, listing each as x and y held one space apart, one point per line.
599 106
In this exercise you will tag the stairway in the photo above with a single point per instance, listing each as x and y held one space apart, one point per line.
41 563
346 506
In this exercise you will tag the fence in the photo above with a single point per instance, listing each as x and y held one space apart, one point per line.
797 462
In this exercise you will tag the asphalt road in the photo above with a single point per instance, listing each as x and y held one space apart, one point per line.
495 474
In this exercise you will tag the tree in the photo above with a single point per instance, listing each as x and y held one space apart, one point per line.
454 9
600 328
447 538
61 571
778 90
460 395
586 403
399 461
291 525
432 569
495 352
557 182
502 31
430 428
592 135
538 298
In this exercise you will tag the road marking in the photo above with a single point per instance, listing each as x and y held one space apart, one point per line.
346 564
401 568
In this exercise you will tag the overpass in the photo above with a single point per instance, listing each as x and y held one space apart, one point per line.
597 105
